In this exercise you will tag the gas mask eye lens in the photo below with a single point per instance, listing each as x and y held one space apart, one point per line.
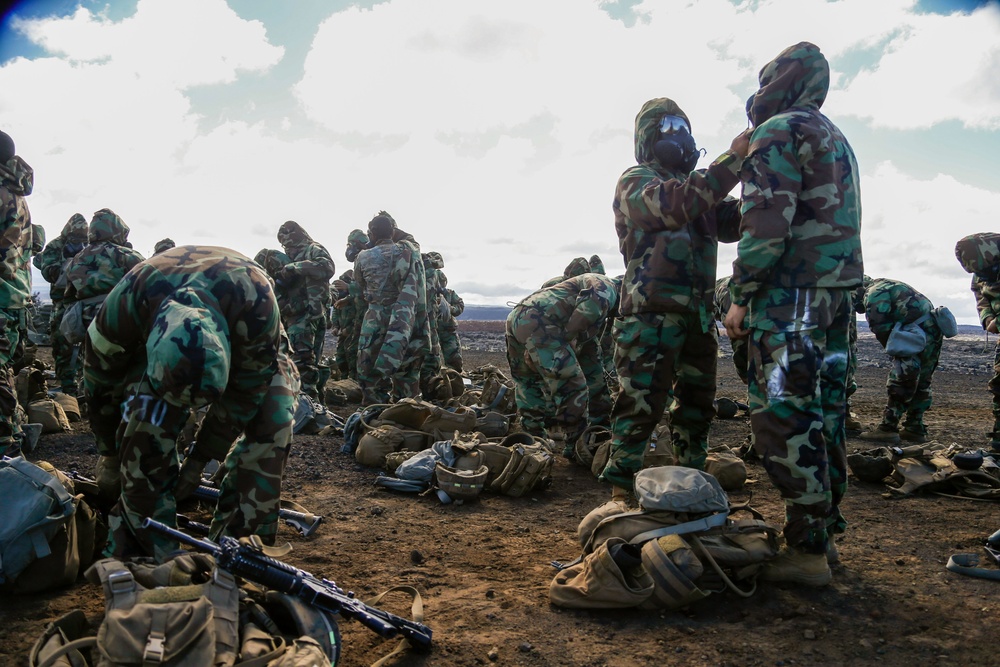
671 124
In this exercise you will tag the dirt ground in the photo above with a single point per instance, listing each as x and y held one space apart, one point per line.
483 567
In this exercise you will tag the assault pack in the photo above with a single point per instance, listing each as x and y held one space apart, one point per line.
680 545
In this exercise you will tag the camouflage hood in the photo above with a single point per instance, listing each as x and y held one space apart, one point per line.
188 352
272 260
107 227
980 254
292 235
577 267
76 229
798 78
596 265
17 176
647 127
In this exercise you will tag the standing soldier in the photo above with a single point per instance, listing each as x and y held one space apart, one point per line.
394 336
888 303
669 217
740 348
798 262
53 261
309 271
96 269
192 326
452 306
432 363
346 314
16 181
979 254
554 353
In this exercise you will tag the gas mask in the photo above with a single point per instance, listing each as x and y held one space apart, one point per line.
675 149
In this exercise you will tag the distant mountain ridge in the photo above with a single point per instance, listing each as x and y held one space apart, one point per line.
485 313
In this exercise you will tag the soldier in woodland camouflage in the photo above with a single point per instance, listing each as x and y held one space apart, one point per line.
395 335
309 270
979 254
431 365
52 264
190 327
555 356
345 323
798 261
886 303
16 182
452 306
96 269
669 218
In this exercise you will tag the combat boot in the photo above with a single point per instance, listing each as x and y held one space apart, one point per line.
913 436
798 567
882 433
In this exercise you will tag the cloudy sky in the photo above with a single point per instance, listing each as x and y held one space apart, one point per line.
492 131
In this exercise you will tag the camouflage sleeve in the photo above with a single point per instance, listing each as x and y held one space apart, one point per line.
984 304
10 235
878 312
455 301
588 316
652 203
317 264
728 219
771 185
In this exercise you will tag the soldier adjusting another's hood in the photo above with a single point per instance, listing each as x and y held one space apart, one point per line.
107 226
798 78
647 126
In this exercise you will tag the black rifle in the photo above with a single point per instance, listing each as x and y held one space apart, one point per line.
243 560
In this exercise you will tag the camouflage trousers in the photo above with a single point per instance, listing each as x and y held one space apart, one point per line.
741 358
554 382
432 363
385 364
65 355
451 348
11 323
250 489
663 359
909 387
347 352
307 336
797 412
994 386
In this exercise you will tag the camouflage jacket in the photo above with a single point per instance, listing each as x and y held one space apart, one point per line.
669 224
987 300
56 256
291 294
310 267
16 182
346 307
381 270
801 201
573 311
890 301
237 293
96 269
722 298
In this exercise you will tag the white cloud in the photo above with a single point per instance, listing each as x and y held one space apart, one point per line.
935 68
494 132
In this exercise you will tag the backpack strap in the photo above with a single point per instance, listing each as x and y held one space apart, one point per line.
120 589
416 615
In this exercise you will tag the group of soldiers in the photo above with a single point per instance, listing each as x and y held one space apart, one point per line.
205 330
790 309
